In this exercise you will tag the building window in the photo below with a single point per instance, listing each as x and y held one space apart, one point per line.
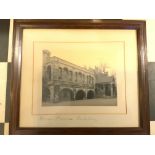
92 81
80 76
49 72
66 73
87 79
76 76
71 75
83 78
60 73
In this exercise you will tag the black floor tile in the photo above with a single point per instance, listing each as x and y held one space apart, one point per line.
4 39
1 128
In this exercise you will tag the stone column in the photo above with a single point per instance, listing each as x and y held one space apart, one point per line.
74 93
85 90
104 90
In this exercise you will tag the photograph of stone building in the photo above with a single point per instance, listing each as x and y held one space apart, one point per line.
65 83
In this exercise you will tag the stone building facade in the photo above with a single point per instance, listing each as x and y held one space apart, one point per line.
105 86
64 81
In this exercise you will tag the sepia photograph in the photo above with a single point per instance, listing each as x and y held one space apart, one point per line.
77 77
69 82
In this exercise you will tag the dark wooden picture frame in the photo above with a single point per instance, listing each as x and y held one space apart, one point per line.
139 26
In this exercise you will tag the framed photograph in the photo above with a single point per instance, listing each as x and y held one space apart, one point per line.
79 77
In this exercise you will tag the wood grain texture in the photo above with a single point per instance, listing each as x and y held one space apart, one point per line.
139 26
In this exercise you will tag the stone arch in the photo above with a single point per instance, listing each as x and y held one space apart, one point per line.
66 94
80 95
90 94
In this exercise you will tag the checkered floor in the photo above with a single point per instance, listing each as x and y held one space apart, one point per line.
6 27
5 68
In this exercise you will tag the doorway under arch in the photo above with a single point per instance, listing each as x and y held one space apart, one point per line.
66 95
80 95
90 94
